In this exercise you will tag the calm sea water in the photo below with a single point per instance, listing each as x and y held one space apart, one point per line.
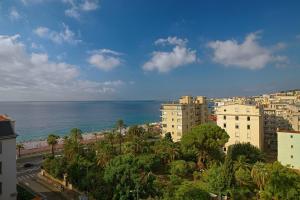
35 120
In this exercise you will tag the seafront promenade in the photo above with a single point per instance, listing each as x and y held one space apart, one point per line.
41 146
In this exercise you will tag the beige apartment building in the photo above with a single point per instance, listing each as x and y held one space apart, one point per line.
242 122
289 148
8 180
179 117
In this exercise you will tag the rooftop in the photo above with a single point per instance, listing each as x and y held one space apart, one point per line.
288 131
6 127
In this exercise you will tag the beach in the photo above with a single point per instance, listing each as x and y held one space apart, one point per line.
41 146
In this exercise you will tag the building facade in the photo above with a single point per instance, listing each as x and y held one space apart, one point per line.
179 117
242 122
289 148
8 181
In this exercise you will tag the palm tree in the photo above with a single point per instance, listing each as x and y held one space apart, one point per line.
173 151
76 134
259 174
104 153
52 140
120 125
19 147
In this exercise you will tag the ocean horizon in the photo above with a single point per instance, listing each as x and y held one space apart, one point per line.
36 119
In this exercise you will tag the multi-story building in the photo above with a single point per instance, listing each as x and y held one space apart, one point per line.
8 180
289 148
179 117
242 122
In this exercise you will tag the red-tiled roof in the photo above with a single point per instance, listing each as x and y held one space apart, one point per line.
4 118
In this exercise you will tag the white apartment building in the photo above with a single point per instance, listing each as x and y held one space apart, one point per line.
8 181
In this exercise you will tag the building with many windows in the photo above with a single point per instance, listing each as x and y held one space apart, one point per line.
242 122
179 117
289 148
8 180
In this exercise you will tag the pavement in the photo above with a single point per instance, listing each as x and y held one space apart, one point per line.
30 178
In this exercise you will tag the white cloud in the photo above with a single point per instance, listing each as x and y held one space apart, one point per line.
76 7
34 76
26 2
249 54
165 61
171 41
66 35
14 14
89 5
105 59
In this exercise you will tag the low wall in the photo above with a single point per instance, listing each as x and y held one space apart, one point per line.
55 180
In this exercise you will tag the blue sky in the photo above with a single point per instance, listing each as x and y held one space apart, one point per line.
141 49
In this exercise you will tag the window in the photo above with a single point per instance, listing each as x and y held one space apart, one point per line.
248 127
224 125
224 110
292 146
224 149
237 134
248 135
172 119
224 117
165 125
237 126
172 126
236 117
248 118
292 156
291 136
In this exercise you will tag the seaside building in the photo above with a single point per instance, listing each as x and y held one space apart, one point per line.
289 148
242 122
179 117
8 179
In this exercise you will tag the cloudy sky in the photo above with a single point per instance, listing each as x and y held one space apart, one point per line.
141 49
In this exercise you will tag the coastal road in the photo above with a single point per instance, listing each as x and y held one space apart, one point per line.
28 176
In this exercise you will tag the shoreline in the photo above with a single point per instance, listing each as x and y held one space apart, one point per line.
41 145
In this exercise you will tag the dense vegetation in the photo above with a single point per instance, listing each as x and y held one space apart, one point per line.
141 165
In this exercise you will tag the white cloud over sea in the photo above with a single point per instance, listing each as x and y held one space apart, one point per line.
33 76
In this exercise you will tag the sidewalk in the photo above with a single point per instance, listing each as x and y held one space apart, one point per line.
51 185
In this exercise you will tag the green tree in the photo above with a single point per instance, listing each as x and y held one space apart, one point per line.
76 134
52 141
19 146
137 138
251 153
104 153
282 183
128 179
260 174
179 168
168 137
213 181
166 150
203 142
189 191
120 125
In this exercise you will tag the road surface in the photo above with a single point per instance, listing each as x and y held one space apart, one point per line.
29 177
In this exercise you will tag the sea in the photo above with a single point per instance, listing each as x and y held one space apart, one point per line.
35 120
